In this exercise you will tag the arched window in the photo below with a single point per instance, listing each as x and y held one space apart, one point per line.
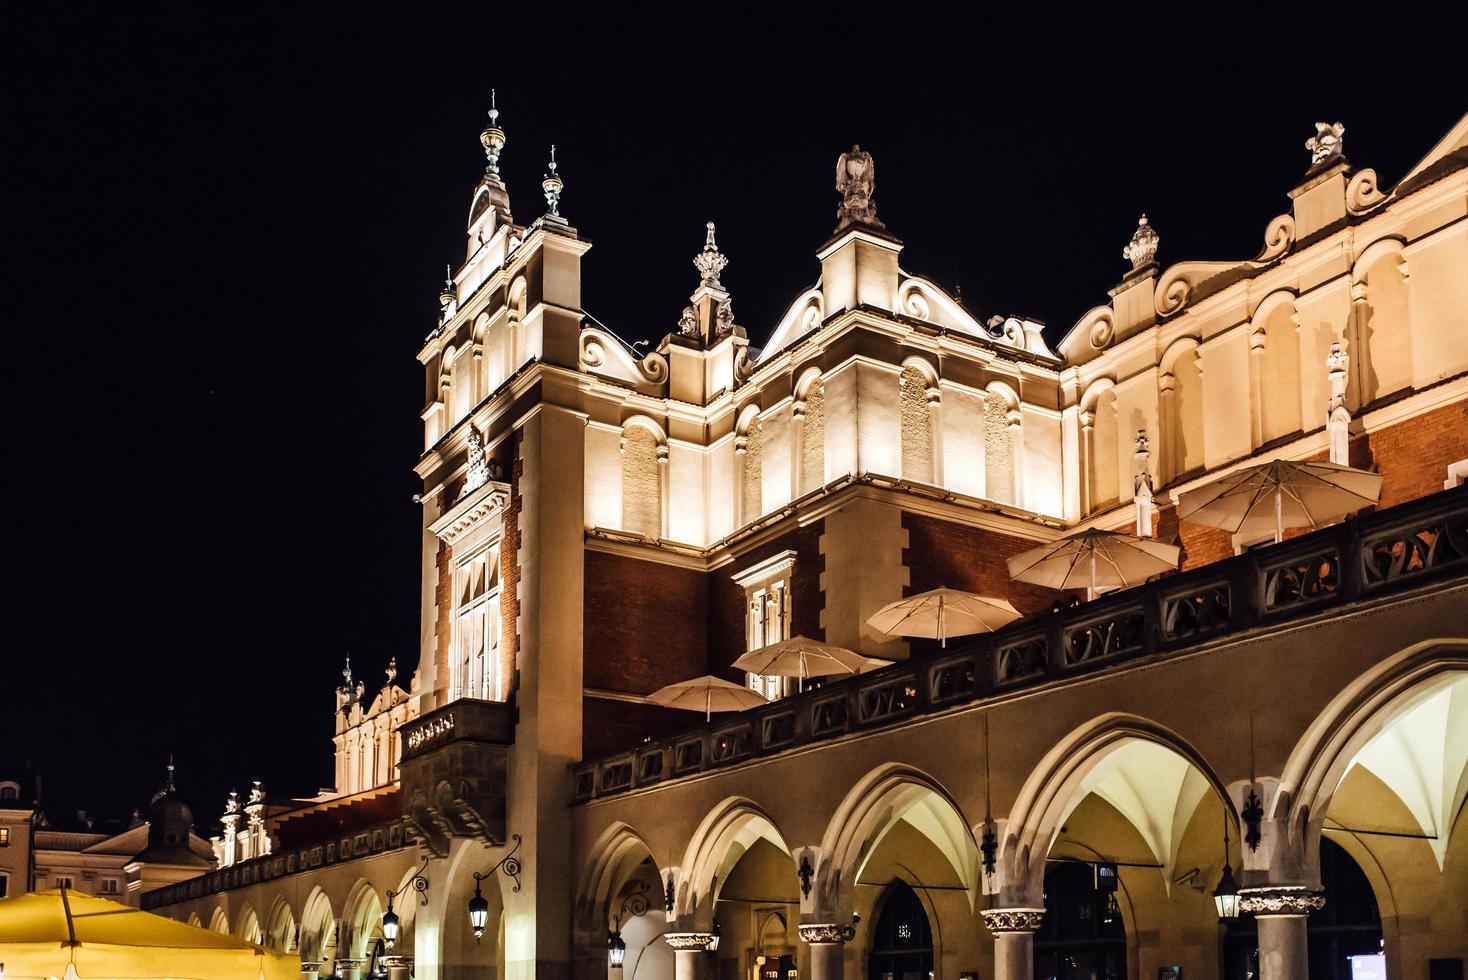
813 438
751 481
476 671
1182 412
917 428
642 494
999 461
1082 936
1349 925
1279 375
1105 469
902 941
1385 335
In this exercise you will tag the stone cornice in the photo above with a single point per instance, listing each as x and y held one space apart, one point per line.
481 505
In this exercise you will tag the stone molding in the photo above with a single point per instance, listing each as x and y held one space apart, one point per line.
486 502
1296 900
824 933
1012 920
688 940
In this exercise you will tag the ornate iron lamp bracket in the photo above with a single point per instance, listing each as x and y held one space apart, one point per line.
509 863
419 884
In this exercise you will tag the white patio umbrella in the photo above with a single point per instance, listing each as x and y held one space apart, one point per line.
1094 559
801 657
1280 494
707 694
941 613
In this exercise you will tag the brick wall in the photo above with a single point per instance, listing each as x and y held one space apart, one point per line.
609 727
943 554
645 624
727 611
1413 456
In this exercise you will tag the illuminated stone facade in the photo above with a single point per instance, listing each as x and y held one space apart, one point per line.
601 520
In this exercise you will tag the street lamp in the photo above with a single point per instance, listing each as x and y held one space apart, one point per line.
478 910
392 927
1226 895
713 946
616 950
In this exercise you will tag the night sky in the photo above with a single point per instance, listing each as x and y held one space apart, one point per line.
225 240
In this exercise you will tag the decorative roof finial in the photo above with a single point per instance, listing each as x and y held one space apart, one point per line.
710 262
856 178
347 671
449 293
1143 247
493 140
168 783
1328 146
552 185
392 671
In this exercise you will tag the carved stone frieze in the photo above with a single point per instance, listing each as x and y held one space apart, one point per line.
1013 920
1281 901
688 940
824 932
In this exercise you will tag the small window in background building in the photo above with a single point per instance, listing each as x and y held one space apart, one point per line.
4 836
4 885
9 791
109 886
64 881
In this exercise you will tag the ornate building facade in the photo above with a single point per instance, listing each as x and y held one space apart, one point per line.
1049 800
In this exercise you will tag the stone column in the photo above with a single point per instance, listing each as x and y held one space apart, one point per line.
827 943
1014 941
310 969
350 969
1283 945
689 949
398 967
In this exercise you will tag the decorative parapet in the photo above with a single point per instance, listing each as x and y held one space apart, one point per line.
1411 545
464 745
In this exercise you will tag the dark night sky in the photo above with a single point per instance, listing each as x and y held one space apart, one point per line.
225 238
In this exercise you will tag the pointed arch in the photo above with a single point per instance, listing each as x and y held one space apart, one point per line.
361 915
194 920
318 926
1402 693
729 830
617 851
1138 766
247 925
219 921
280 927
880 800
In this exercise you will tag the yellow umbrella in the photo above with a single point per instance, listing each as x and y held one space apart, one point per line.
43 934
941 613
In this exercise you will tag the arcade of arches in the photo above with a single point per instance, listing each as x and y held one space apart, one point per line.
1110 843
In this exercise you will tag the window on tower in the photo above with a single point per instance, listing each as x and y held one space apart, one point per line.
477 672
768 613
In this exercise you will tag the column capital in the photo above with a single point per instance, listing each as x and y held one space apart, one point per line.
825 933
688 940
1013 920
1281 900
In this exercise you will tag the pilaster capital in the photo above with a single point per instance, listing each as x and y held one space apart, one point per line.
398 960
1013 920
688 940
825 933
1281 900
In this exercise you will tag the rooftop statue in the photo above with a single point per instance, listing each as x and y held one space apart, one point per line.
1327 146
856 176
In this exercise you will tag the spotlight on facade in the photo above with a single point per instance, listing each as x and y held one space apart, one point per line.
478 913
713 946
616 950
1226 895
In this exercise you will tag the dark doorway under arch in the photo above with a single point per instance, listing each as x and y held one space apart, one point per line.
902 941
1349 925
1082 936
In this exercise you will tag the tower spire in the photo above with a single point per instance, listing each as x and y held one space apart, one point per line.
493 141
552 185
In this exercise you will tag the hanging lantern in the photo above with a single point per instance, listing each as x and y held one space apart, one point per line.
713 946
478 912
391 928
616 950
1226 895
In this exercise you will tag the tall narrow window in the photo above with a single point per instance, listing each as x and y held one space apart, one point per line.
813 439
477 628
917 430
768 611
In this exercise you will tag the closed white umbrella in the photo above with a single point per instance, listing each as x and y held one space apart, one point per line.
801 657
941 613
1094 559
1280 494
707 694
